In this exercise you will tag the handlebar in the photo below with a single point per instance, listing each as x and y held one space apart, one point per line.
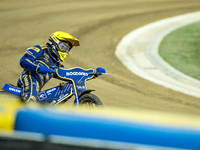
105 74
53 70
76 74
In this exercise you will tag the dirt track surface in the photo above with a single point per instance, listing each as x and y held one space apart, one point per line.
99 25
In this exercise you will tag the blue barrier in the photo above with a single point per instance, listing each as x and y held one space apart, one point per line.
79 125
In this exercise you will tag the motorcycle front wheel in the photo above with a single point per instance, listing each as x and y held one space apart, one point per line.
90 100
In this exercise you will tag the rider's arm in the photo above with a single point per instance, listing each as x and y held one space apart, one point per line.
30 55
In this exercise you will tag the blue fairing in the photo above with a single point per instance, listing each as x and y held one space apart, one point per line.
54 92
75 74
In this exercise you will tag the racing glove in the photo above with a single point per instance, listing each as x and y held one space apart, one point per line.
42 69
99 70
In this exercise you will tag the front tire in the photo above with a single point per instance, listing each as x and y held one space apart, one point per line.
90 100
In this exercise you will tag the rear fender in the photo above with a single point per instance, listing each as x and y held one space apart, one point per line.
85 92
12 89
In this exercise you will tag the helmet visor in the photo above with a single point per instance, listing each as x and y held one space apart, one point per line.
64 47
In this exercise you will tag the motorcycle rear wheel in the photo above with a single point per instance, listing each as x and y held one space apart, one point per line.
90 100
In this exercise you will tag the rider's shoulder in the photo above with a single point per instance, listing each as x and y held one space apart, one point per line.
37 48
41 47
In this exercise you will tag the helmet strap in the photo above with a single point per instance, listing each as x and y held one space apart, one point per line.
52 55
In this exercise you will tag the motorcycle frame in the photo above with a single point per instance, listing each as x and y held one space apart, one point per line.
77 85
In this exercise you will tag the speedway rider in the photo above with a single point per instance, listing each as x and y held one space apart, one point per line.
38 60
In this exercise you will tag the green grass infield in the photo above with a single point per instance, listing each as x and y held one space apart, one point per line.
181 49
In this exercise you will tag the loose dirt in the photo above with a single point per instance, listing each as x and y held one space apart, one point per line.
99 25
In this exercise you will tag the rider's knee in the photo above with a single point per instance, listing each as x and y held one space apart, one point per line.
26 97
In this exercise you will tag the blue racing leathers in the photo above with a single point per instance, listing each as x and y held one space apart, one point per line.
31 81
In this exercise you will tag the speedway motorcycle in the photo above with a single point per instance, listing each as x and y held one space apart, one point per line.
73 83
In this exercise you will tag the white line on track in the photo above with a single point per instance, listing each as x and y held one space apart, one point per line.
138 51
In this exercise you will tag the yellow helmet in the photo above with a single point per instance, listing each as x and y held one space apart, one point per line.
60 43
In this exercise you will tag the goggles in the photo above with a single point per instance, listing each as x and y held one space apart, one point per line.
64 47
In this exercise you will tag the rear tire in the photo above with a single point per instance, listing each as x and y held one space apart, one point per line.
90 100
